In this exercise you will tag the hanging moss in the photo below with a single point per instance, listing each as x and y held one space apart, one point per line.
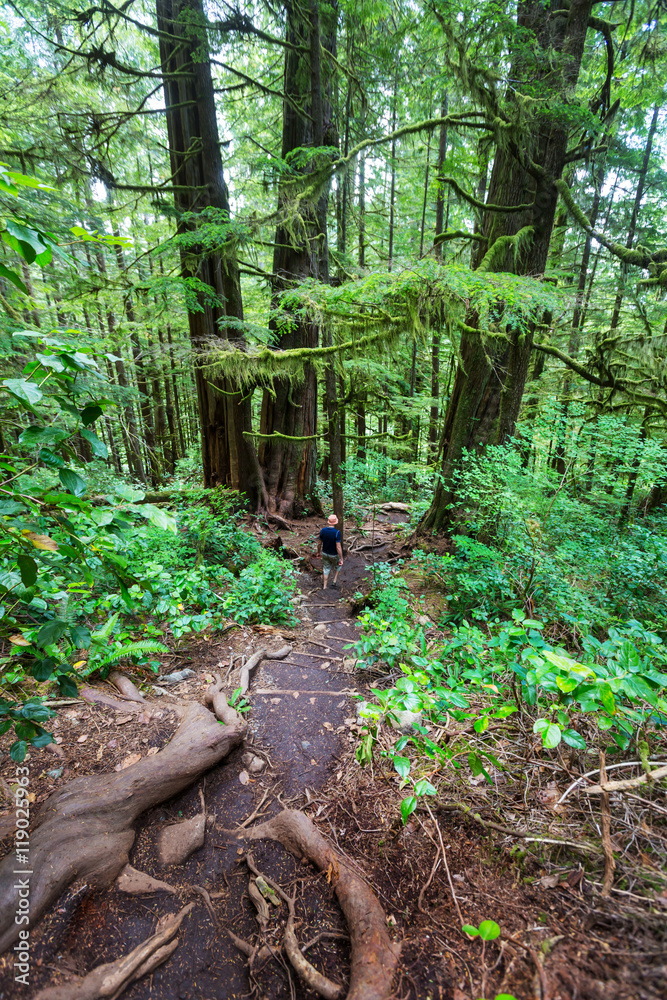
372 313
495 255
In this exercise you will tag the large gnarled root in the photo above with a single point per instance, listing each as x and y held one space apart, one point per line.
95 697
113 978
374 956
84 830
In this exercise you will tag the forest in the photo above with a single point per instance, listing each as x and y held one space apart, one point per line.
402 265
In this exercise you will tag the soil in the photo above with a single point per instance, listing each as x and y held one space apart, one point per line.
557 943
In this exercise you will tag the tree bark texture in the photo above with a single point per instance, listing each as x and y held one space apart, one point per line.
301 252
490 377
228 454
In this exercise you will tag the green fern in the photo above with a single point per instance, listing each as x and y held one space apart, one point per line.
104 633
133 649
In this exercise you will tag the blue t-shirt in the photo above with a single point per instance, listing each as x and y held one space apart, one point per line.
329 537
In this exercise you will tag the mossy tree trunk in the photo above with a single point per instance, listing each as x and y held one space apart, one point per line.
228 454
301 252
491 375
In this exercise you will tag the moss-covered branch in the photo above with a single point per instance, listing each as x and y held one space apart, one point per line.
639 256
481 205
616 384
495 255
458 234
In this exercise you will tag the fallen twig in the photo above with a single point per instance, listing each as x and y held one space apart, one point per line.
625 763
444 861
488 824
256 812
306 972
605 824
619 786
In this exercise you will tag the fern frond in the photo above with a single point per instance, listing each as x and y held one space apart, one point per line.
105 632
133 649
64 609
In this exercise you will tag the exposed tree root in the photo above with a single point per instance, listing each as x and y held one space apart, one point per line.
306 972
126 687
95 697
113 978
177 841
85 829
256 659
374 956
138 883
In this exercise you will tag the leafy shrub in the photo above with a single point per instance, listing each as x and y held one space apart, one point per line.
262 592
390 634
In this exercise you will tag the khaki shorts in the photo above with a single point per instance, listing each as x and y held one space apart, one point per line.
329 563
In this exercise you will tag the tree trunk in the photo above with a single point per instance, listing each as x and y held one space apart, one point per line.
362 194
228 454
440 199
392 188
145 407
632 228
301 252
490 378
361 425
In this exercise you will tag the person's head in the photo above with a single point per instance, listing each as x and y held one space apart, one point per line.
333 520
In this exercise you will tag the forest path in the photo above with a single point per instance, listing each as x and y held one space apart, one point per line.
297 726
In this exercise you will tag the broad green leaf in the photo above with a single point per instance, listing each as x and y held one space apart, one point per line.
42 740
90 413
470 930
567 684
26 392
26 241
73 483
80 636
67 686
489 930
50 633
28 569
549 731
127 493
9 507
42 670
424 787
481 725
607 697
18 750
25 730
99 448
573 739
401 766
408 806
51 459
35 436
475 764
6 272
163 519
51 361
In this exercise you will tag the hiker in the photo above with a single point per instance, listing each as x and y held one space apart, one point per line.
329 546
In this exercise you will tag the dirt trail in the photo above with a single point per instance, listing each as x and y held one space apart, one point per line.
296 725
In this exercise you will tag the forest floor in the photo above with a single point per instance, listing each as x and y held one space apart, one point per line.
559 941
